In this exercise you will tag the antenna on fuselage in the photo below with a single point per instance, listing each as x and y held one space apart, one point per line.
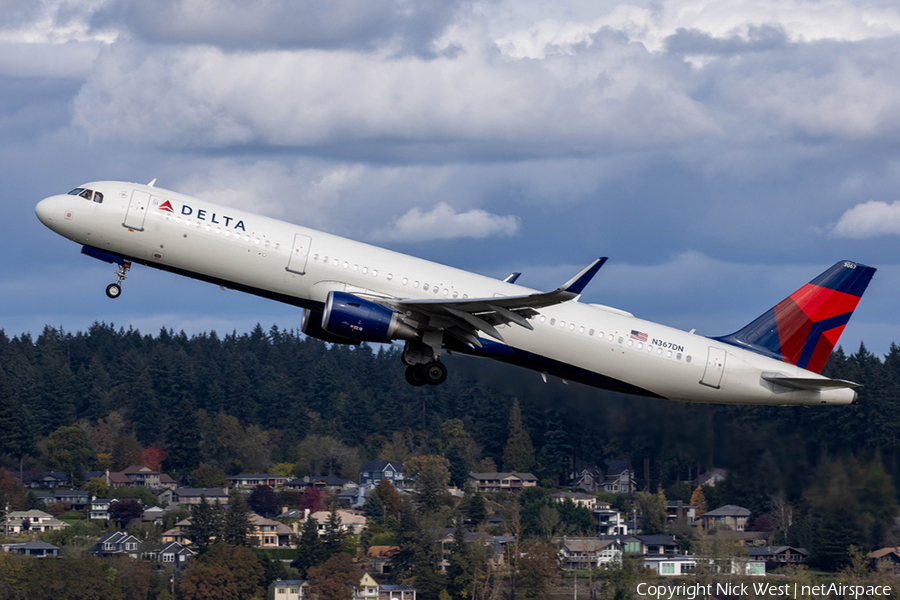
152 182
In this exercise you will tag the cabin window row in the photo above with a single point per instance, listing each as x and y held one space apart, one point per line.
437 289
612 338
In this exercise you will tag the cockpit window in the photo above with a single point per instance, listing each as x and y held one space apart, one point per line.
86 194
76 192
98 197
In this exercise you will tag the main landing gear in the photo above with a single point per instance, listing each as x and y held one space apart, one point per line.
432 373
114 290
421 359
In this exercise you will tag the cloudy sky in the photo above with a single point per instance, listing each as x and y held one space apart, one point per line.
720 152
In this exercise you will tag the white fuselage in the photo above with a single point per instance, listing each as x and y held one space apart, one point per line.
582 342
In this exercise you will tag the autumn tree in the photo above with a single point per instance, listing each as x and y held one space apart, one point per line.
224 571
335 578
698 501
539 567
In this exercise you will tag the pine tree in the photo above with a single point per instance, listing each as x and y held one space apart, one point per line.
236 525
206 525
310 550
518 456
334 533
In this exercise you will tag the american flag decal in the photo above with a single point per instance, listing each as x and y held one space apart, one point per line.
638 335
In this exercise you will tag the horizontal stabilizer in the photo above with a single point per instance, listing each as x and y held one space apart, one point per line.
808 383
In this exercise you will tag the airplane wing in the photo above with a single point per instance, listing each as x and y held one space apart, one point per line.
463 319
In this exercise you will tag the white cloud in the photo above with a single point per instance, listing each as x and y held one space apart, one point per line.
869 219
443 223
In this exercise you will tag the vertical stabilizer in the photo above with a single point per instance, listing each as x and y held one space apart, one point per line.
804 328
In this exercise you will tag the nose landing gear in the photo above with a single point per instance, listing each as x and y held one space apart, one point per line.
114 290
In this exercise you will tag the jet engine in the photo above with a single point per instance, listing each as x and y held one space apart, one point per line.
356 320
311 325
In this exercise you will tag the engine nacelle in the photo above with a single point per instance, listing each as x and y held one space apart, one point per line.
311 325
352 318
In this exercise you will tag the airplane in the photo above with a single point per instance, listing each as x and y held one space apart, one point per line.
352 292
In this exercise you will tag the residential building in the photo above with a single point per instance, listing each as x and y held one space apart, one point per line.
351 522
678 511
33 548
580 554
367 589
99 509
396 592
578 498
325 483
35 521
174 554
117 542
886 558
372 472
266 532
288 589
619 478
779 556
726 517
77 499
45 480
495 482
673 566
609 521
190 496
712 477
589 478
140 475
255 480
665 545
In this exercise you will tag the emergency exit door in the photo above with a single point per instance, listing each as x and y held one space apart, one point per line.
137 210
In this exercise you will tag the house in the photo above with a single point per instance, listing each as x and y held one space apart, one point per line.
587 478
609 521
665 545
579 499
77 499
190 496
378 558
494 482
582 554
327 484
678 511
712 477
44 480
354 497
779 556
117 542
367 589
726 517
34 521
372 472
631 546
99 509
33 548
154 514
670 566
266 533
396 592
174 554
140 475
886 558
619 478
255 480
351 522
288 589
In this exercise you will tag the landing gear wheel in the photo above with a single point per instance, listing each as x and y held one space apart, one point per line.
415 375
114 290
435 373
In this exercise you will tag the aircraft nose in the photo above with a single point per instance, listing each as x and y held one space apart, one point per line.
46 210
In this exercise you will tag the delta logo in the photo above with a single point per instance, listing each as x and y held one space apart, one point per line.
201 214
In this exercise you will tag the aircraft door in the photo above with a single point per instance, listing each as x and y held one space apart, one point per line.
715 367
299 254
137 210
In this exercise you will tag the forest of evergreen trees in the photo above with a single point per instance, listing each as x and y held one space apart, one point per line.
247 402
